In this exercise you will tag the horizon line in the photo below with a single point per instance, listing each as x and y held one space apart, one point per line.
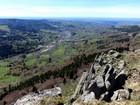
32 17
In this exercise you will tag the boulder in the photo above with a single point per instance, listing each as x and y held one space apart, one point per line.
33 98
104 61
104 96
88 97
115 96
121 64
115 54
121 94
97 89
100 81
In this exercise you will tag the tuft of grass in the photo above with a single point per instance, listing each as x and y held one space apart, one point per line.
68 90
96 102
55 100
133 60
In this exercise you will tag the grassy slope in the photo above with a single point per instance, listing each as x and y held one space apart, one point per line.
133 67
31 62
5 80
96 102
4 28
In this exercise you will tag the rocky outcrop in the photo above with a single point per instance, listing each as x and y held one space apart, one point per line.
121 94
104 81
33 98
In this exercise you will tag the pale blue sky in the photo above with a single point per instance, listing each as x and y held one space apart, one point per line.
70 8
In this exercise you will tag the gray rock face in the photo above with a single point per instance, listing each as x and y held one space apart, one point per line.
121 78
97 66
88 97
79 86
32 98
121 64
108 85
115 54
122 94
104 96
102 81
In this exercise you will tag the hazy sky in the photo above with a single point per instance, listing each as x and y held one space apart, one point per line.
70 8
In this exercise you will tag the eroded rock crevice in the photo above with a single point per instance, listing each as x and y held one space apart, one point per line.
104 81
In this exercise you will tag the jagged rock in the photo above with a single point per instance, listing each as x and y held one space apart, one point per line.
92 86
102 81
32 98
97 66
121 64
108 72
91 73
109 77
100 60
121 78
108 85
79 86
115 95
85 86
122 94
115 54
88 97
104 96
110 61
104 61
98 87
105 69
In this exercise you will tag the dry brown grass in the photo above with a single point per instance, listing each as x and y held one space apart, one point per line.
133 67
56 100
95 102
132 60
